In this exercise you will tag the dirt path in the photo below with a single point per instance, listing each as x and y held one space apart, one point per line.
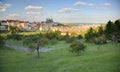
19 48
27 49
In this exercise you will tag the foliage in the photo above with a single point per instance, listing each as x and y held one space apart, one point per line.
110 27
79 36
100 40
112 30
13 29
35 42
73 34
77 47
71 39
117 23
51 35
16 37
101 30
90 35
53 41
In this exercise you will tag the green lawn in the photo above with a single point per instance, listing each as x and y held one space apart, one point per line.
16 43
106 59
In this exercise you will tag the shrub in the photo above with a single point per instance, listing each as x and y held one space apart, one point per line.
100 40
53 41
71 39
77 47
79 36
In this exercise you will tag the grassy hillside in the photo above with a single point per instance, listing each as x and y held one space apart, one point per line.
106 59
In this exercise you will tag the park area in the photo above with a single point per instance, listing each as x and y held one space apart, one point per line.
106 59
48 51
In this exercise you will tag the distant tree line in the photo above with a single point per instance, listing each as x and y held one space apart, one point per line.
109 32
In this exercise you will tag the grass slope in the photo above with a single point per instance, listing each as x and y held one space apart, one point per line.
106 59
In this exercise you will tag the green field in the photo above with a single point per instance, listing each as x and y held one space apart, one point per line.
106 59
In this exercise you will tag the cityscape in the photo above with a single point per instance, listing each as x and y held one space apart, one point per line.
59 36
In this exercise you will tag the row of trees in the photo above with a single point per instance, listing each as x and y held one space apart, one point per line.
113 29
103 34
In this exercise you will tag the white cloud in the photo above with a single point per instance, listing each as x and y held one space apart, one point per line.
80 3
33 7
33 12
107 4
3 7
68 10
90 4
83 3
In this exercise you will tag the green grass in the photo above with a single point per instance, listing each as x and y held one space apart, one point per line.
59 44
106 59
16 43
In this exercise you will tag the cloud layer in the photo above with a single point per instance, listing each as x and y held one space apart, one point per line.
83 3
4 7
67 10
33 7
33 12
107 4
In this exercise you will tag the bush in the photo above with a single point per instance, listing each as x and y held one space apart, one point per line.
70 39
77 47
79 36
53 41
16 37
100 40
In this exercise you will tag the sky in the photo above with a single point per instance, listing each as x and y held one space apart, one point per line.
63 11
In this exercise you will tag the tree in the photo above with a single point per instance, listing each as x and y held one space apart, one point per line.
117 24
73 34
35 42
40 43
90 35
100 30
51 35
77 47
15 37
110 28
79 36
100 40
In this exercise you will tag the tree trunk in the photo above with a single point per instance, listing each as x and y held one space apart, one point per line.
38 52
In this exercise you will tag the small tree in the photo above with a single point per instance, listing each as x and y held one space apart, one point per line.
77 47
40 43
100 40
35 43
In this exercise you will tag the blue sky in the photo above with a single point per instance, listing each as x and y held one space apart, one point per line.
64 11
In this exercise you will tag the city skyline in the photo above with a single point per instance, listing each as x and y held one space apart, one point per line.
64 11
